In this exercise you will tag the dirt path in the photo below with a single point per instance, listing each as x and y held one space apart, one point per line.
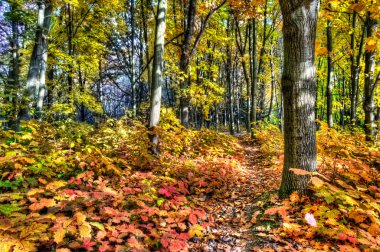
235 213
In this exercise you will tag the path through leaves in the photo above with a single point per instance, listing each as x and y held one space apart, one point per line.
236 217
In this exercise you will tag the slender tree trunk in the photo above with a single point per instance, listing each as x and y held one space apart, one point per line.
133 81
185 61
35 63
272 87
369 84
42 88
70 36
330 73
157 75
260 67
229 76
355 67
13 82
298 87
354 75
253 74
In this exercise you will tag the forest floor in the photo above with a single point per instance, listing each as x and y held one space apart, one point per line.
72 187
236 225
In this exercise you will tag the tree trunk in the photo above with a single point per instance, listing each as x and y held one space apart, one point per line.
35 63
330 73
42 88
369 84
253 74
185 61
260 67
229 81
298 88
355 67
157 79
13 82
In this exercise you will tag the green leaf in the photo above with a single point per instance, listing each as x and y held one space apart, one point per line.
160 201
98 225
8 209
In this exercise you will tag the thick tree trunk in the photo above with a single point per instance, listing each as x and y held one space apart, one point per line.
157 79
369 84
298 87
330 73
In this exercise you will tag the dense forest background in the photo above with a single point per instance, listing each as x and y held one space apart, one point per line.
189 125
223 61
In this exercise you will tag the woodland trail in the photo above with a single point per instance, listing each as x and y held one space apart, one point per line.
236 212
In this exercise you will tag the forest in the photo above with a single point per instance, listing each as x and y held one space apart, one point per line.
189 125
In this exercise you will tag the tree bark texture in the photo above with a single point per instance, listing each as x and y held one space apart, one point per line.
330 74
299 92
369 84
157 75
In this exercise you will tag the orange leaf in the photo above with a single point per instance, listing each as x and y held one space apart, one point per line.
300 171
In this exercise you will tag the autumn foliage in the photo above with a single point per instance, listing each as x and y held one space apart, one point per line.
343 209
72 187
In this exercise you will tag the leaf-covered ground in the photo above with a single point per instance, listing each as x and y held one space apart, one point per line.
73 187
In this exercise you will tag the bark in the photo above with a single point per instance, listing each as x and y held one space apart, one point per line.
369 84
35 63
133 81
230 84
298 88
261 66
157 75
42 88
13 82
355 67
241 45
272 88
188 50
253 74
330 73
70 36
185 60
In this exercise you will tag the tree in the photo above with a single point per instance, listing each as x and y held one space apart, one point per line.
330 74
298 88
370 82
157 79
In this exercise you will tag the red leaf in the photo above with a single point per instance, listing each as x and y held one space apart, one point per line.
87 244
177 245
342 236
352 239
193 219
168 191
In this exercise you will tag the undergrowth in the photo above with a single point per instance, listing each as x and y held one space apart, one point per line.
72 187
344 209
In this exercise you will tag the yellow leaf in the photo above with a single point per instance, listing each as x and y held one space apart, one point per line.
59 235
317 182
196 230
85 230
55 185
34 191
63 250
80 217
371 44
32 230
